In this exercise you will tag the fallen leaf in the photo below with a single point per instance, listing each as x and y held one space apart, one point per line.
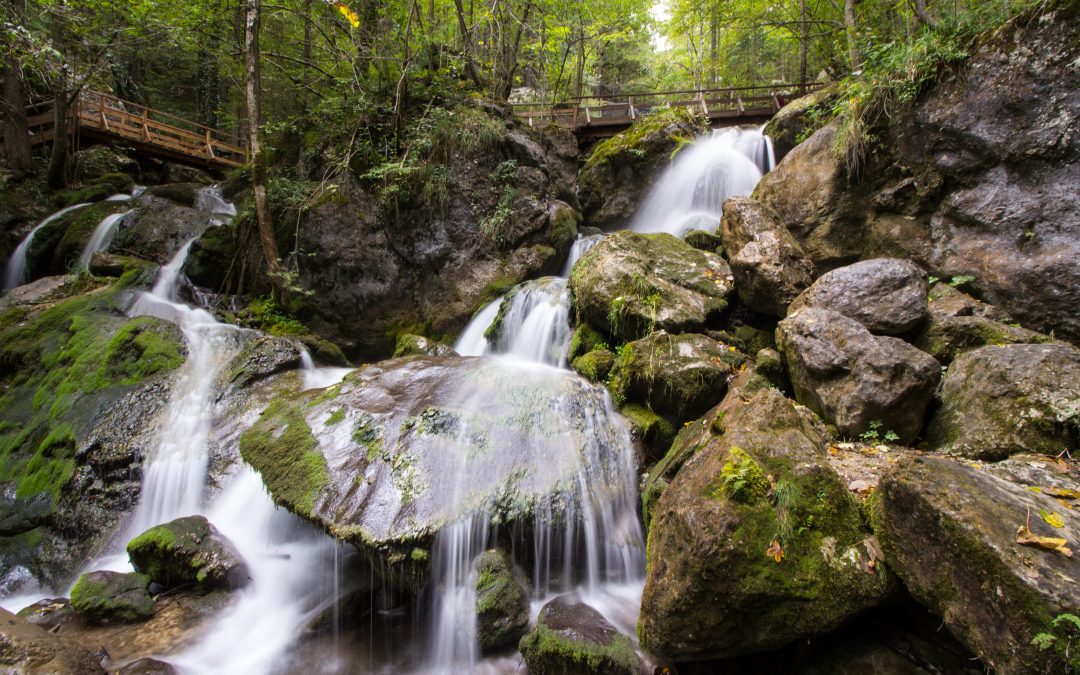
1035 488
775 552
1052 519
1063 493
1026 537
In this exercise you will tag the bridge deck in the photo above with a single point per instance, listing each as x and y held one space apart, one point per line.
593 117
109 119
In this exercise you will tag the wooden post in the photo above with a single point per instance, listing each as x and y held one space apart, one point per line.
630 102
146 124
101 111
209 148
588 117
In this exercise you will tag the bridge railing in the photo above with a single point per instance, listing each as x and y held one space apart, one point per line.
138 123
621 109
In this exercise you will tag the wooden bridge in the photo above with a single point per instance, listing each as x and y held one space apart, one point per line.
107 119
592 117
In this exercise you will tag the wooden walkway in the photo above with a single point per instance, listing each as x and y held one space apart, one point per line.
593 117
108 119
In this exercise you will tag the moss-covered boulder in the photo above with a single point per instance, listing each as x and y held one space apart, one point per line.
705 241
965 540
1002 400
97 189
572 638
595 365
56 247
184 194
93 163
112 597
791 124
502 606
769 266
619 171
158 227
30 649
188 550
629 285
678 376
756 542
959 323
853 378
409 344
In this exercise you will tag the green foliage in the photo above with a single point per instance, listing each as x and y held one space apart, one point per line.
1064 630
741 479
265 314
873 434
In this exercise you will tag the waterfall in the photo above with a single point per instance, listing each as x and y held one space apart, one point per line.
534 322
101 238
16 273
691 192
472 341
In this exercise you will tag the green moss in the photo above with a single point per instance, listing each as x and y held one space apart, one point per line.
584 340
263 313
281 447
549 651
112 597
335 417
627 145
368 434
564 228
595 365
741 479
99 188
160 538
648 425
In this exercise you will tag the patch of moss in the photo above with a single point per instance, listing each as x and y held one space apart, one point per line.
595 365
549 651
649 426
112 597
335 417
564 228
281 447
584 340
741 479
622 146
368 435
99 188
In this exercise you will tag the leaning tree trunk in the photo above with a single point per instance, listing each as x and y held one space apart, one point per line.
923 13
253 99
852 35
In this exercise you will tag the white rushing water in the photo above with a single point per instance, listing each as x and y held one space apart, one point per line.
101 238
16 272
691 192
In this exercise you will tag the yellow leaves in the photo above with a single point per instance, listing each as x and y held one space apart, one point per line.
775 552
1026 537
1052 519
833 450
1062 493
352 17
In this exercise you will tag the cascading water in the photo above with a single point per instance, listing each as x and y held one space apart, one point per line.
16 273
691 193
101 238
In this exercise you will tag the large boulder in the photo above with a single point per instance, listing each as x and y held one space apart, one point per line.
964 540
788 126
112 597
571 637
1002 400
853 378
629 285
886 295
963 180
502 606
188 550
756 542
404 447
619 171
26 648
769 267
677 376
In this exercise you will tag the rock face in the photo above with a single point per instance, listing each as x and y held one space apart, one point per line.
112 597
502 606
886 295
769 267
188 550
950 532
964 181
1002 400
790 122
630 284
379 459
261 357
756 542
30 649
620 170
571 637
853 378
417 344
677 376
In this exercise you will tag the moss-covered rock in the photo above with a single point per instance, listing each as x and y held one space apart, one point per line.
409 344
572 638
756 542
595 365
678 376
56 247
502 606
99 188
261 357
96 162
184 194
630 284
1002 400
797 120
618 171
112 597
584 340
953 534
651 429
705 241
188 550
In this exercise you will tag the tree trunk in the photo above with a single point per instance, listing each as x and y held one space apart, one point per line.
512 59
923 13
16 137
466 41
804 41
56 175
253 99
852 35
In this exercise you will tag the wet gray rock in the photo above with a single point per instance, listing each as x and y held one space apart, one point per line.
261 357
886 295
188 550
791 122
1002 400
950 532
148 667
630 284
112 597
756 542
769 267
571 637
157 227
30 649
48 613
502 605
677 376
853 378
